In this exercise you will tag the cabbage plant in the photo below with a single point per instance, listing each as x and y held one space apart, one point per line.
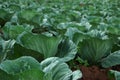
96 49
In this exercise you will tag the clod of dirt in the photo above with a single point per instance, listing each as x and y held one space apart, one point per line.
94 73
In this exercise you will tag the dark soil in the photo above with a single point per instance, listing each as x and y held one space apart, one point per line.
95 73
116 67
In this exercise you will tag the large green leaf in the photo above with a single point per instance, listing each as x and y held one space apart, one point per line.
114 30
33 74
94 49
5 14
70 32
27 14
115 74
23 68
5 76
41 43
14 7
59 70
76 75
13 31
111 60
19 65
19 51
66 50
78 37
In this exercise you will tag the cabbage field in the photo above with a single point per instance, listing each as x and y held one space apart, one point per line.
59 40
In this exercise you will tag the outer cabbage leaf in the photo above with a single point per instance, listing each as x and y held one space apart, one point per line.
13 31
23 68
14 7
29 16
111 60
94 49
114 30
115 74
19 51
59 70
5 15
33 74
66 50
19 65
5 76
41 43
